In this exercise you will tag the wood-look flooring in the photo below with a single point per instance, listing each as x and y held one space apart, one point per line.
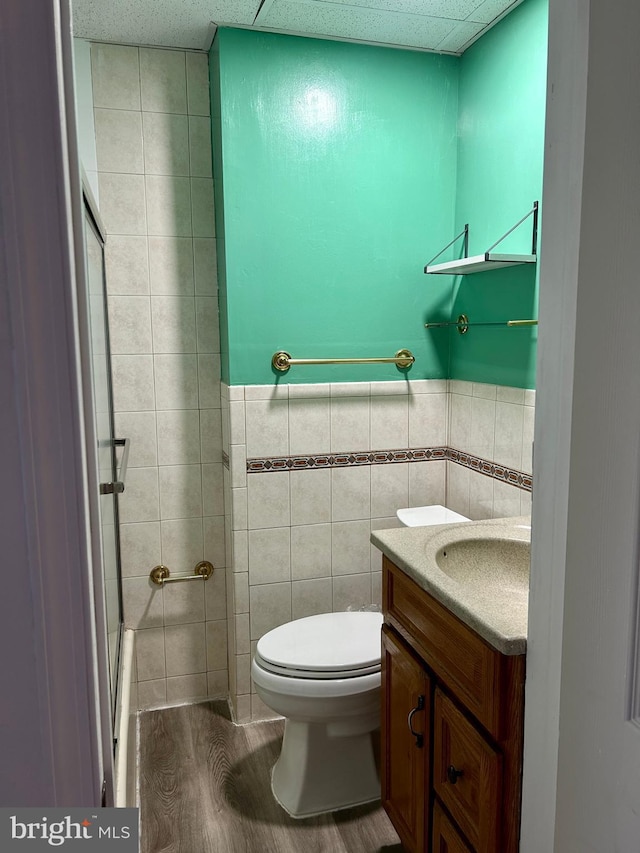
205 787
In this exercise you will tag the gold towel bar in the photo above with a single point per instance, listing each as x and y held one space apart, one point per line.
463 324
282 361
160 574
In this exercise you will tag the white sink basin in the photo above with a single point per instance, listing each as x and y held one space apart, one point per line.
499 563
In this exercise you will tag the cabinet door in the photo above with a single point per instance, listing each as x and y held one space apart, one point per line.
406 706
445 836
467 775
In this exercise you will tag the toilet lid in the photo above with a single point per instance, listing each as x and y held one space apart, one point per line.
329 645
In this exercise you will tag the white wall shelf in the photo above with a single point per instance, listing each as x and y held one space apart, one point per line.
489 260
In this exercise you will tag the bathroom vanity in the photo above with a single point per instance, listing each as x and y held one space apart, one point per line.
453 671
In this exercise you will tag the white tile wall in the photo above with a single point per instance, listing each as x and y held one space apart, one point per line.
300 542
154 162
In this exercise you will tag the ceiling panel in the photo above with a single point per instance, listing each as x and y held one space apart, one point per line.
487 12
355 22
460 35
440 25
168 23
456 9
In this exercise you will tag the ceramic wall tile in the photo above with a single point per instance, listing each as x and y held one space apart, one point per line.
207 324
185 648
149 653
317 389
212 489
182 548
389 489
350 423
186 689
174 324
482 431
270 606
209 381
352 592
140 548
267 428
427 483
168 206
389 422
171 266
119 141
166 144
211 435
509 433
179 437
176 378
269 555
184 603
458 488
140 429
129 325
460 421
310 496
205 266
115 72
216 645
123 203
139 501
180 491
309 426
351 493
310 597
142 603
200 146
310 551
152 694
202 209
350 551
197 84
163 80
427 420
127 265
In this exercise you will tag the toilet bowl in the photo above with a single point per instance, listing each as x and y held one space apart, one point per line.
322 674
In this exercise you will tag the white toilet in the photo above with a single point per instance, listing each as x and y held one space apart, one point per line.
322 673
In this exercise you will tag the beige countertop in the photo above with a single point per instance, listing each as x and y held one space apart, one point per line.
494 603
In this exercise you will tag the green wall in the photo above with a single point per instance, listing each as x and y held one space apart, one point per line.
337 162
341 169
500 158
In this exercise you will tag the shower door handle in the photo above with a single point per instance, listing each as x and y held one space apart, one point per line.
112 488
117 487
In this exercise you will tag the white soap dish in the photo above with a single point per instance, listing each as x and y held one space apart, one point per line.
422 516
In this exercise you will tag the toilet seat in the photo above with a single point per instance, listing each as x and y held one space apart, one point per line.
327 646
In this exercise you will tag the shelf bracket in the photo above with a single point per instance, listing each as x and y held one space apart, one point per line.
464 233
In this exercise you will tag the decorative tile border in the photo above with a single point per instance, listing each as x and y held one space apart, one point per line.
512 477
519 479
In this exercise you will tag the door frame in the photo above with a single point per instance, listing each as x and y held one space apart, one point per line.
53 750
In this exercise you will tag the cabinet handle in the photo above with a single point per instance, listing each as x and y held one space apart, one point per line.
452 774
419 707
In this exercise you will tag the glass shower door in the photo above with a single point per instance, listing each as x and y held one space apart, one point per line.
111 479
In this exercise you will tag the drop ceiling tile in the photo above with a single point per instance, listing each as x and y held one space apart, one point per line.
460 35
351 22
455 9
489 10
162 23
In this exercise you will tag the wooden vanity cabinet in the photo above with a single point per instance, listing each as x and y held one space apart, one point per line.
452 728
